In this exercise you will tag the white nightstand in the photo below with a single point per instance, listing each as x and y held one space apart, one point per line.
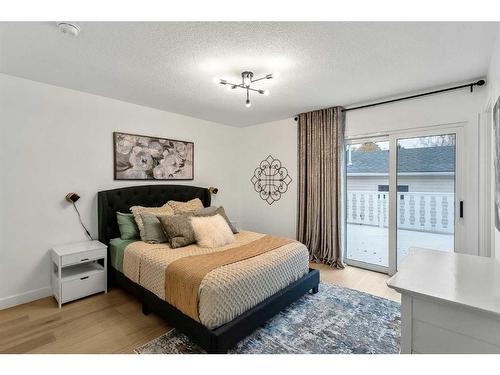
78 270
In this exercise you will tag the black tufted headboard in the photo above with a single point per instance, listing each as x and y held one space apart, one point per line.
120 200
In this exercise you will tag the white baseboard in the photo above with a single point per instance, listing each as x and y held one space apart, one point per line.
19 299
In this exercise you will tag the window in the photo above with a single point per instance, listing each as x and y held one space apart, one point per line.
401 188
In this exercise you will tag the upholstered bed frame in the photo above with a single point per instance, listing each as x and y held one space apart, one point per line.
222 338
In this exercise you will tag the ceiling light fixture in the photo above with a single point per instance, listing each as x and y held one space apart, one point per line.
246 84
69 28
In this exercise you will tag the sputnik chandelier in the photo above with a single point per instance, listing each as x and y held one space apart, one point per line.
246 84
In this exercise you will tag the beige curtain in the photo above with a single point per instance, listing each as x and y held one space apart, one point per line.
320 149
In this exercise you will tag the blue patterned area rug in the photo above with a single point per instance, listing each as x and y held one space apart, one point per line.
336 320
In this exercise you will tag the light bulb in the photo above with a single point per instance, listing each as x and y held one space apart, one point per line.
229 87
248 104
266 92
276 74
216 80
247 81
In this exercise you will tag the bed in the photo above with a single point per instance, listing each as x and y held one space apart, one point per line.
219 327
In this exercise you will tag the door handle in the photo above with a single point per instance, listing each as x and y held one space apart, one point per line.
461 209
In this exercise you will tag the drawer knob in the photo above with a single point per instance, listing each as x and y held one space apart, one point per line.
83 260
83 278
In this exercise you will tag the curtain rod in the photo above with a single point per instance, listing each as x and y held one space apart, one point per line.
471 85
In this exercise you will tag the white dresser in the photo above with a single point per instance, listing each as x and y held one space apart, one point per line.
450 303
78 270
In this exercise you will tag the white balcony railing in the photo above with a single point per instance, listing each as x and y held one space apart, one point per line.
427 212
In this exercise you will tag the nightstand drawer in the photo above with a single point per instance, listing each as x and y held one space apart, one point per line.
84 286
83 256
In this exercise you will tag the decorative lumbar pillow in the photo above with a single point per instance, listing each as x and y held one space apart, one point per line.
127 226
138 210
181 207
153 230
178 230
211 231
211 211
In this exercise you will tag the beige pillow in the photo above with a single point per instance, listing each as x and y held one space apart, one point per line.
211 231
157 211
181 207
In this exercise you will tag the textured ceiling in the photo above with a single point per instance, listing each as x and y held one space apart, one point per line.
171 65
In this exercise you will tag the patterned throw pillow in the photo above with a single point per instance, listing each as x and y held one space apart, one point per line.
178 230
211 231
181 207
138 210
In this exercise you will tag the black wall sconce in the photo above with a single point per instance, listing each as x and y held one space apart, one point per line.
213 190
72 198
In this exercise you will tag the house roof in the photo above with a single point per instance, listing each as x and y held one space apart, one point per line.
410 160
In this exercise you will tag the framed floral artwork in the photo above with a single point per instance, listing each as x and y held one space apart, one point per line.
140 157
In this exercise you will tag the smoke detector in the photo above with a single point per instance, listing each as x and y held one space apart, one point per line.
69 28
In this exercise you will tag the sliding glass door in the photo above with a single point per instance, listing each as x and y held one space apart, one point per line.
367 206
401 191
425 167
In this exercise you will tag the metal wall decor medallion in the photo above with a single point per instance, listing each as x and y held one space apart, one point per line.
270 179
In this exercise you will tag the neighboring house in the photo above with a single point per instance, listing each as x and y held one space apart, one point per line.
426 169
426 184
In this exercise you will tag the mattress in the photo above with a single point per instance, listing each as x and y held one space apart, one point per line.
228 291
117 250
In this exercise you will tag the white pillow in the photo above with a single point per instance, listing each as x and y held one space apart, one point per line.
211 231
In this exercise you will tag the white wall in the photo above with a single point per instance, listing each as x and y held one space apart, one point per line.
493 94
278 139
451 107
53 141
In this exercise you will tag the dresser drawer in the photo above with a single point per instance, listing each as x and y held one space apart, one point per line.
83 286
83 256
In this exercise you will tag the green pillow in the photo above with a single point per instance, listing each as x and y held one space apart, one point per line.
153 230
128 226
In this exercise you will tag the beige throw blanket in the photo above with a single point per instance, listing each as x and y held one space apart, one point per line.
183 277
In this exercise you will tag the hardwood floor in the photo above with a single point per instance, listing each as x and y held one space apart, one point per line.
359 279
114 323
104 323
